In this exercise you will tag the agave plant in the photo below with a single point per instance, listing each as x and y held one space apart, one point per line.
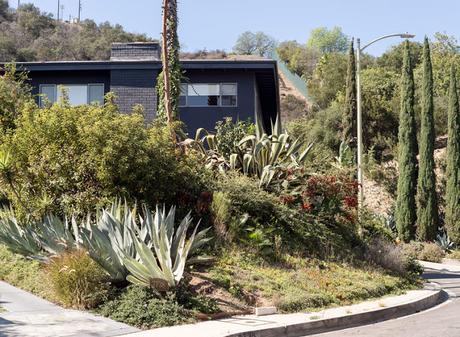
444 242
261 155
19 239
108 238
163 252
55 235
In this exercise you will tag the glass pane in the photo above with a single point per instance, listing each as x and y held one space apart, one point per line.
203 90
182 100
228 100
183 89
96 93
78 94
229 89
49 93
203 100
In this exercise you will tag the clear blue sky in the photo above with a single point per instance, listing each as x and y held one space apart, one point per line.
215 24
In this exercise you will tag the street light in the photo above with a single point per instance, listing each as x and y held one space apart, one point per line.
360 113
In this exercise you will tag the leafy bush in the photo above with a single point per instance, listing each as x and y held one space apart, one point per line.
77 280
71 159
229 134
139 307
256 217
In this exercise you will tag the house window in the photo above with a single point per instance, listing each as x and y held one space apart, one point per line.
78 94
203 95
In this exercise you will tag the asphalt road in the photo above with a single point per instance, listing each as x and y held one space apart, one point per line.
441 321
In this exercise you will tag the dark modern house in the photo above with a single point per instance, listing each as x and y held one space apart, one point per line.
212 89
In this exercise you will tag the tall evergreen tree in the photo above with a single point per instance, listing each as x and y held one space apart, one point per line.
427 203
406 214
351 107
169 80
453 162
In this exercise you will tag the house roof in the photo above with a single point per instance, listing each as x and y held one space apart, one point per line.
232 63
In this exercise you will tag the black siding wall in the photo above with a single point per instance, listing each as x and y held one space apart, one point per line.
206 117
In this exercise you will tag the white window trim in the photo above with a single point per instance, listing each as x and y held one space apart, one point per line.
41 103
220 105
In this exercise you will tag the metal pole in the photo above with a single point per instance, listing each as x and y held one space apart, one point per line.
19 3
59 8
359 126
79 10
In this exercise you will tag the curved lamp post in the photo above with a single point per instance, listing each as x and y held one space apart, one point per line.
360 113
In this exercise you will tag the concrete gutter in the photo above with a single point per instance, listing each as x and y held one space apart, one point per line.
296 325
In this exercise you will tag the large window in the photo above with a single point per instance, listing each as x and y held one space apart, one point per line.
78 94
202 95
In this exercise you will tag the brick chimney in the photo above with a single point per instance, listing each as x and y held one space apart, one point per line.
135 51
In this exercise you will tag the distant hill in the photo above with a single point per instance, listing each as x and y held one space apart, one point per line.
27 34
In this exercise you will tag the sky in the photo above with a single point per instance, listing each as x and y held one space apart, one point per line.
216 24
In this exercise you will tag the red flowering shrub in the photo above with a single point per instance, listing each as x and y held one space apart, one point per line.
331 197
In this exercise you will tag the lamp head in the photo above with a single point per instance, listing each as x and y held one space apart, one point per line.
407 36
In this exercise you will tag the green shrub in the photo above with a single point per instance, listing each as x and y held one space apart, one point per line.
71 159
229 134
24 273
295 303
256 217
138 306
77 280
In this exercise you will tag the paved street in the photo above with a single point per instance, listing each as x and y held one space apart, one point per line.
441 321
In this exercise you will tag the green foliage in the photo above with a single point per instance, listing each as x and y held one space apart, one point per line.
328 79
393 58
31 35
138 306
258 43
77 280
427 204
299 59
297 284
351 108
328 40
24 273
452 219
229 135
71 159
14 96
160 263
407 155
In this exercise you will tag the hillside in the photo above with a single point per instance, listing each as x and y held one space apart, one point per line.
31 35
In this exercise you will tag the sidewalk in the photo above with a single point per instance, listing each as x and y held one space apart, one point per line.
27 315
306 323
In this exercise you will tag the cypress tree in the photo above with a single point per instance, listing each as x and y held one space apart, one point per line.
351 107
406 214
427 203
453 163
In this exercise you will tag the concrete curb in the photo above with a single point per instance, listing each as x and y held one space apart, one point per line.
350 321
302 324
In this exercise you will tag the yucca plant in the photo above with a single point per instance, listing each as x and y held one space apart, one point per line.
161 256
